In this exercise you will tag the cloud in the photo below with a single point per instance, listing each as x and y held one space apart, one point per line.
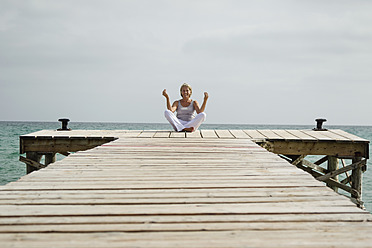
269 43
120 54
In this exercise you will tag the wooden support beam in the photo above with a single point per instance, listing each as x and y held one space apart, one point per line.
334 183
33 156
322 160
32 164
356 177
357 202
314 169
32 160
332 174
64 153
61 144
314 166
347 174
331 182
50 158
298 160
347 181
285 158
332 166
336 149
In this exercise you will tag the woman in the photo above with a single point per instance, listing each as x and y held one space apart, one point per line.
185 121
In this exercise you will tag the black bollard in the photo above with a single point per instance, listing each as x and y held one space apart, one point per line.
64 125
319 123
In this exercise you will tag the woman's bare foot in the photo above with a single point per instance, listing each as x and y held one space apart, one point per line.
188 129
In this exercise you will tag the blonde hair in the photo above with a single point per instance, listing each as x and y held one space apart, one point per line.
186 85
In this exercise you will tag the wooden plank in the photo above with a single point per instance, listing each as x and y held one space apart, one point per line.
177 135
195 134
162 134
177 180
183 175
187 193
66 200
239 134
318 135
336 137
147 134
224 134
344 206
300 218
209 134
130 134
166 196
301 135
348 135
164 185
325 237
254 134
175 227
270 134
286 135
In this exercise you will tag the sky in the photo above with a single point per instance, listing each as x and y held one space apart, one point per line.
261 62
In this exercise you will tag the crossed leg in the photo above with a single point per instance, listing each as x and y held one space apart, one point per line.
180 125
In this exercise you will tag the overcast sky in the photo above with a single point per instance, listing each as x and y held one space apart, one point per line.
262 62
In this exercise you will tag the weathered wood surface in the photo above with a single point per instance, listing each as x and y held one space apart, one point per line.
290 142
158 189
310 135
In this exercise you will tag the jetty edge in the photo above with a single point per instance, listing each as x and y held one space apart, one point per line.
292 145
212 188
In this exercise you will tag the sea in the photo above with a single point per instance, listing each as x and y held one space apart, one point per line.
11 169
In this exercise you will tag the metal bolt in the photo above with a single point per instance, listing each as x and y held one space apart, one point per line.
64 125
319 123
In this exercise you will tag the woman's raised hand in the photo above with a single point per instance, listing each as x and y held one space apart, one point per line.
206 95
165 93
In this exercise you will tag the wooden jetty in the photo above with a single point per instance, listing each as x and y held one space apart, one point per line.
211 188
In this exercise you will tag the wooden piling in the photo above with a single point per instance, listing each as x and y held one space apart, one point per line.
50 158
356 178
33 156
333 166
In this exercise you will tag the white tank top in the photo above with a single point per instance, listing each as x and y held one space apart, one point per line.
185 113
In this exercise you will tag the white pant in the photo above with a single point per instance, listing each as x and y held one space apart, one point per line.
179 125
